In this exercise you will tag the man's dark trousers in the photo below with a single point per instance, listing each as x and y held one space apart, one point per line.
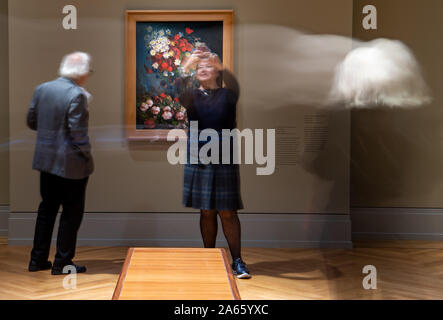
55 192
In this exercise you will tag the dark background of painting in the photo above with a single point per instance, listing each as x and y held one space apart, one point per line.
210 33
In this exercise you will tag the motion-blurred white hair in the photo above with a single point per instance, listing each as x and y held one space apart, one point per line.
380 72
328 71
75 65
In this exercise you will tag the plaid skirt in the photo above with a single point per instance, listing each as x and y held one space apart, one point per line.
213 186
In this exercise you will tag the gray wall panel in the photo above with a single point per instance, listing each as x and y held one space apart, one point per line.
4 105
182 229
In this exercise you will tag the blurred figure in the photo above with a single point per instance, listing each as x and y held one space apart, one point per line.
381 72
214 188
325 71
59 114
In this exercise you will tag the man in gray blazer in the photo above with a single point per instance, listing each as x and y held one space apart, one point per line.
59 114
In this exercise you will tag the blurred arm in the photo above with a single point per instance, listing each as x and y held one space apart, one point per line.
31 117
231 83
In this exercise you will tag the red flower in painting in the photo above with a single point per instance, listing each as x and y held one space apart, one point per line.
189 31
177 52
150 123
163 95
148 70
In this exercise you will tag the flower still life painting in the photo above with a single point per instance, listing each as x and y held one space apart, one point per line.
161 50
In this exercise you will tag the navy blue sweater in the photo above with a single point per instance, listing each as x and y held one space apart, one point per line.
213 109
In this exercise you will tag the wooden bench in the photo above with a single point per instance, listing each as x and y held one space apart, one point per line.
176 274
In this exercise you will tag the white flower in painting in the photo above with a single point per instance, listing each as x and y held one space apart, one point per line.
161 33
188 54
161 44
152 42
177 62
167 115
153 52
149 29
155 65
165 73
144 107
180 116
172 73
149 102
168 32
155 110
166 55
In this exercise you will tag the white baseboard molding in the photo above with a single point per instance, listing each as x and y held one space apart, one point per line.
182 230
397 224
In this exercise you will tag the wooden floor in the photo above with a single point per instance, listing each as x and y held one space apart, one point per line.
406 270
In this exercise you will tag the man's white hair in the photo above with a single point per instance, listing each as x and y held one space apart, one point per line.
75 65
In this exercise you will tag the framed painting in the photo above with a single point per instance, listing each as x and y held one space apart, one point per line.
157 45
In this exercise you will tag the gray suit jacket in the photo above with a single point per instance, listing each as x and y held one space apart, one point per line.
59 113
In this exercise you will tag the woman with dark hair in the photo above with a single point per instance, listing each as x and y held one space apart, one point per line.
214 188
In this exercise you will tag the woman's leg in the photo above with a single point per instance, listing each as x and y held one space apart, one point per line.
208 227
232 231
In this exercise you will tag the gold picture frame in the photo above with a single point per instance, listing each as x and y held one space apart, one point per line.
225 18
